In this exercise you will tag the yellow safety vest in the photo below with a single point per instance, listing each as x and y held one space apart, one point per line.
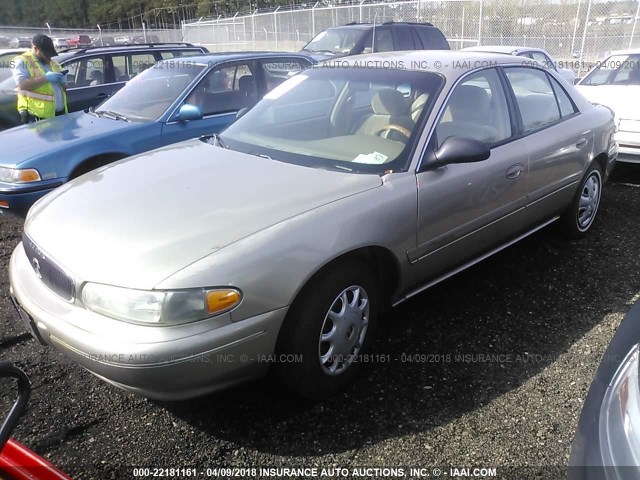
40 102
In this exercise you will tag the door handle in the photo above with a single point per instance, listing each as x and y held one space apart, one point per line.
581 143
515 171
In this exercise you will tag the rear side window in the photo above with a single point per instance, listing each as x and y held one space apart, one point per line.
432 38
405 39
535 97
566 105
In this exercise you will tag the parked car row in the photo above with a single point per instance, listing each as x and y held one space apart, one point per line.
95 73
261 205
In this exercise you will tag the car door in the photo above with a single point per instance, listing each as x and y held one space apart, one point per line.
556 139
86 82
466 209
219 95
557 153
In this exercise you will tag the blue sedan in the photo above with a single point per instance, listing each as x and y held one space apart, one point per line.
172 101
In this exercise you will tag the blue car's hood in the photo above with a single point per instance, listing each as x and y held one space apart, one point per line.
25 142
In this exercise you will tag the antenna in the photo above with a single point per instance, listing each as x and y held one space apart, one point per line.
373 39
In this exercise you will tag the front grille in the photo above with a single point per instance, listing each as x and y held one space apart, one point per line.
50 273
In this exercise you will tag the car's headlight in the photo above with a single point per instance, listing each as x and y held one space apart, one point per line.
620 415
159 307
19 175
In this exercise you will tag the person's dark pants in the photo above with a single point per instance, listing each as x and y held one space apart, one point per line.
26 117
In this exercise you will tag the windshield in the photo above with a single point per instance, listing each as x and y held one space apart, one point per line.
616 70
148 95
349 119
339 40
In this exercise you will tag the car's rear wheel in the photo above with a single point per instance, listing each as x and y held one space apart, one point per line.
577 220
327 329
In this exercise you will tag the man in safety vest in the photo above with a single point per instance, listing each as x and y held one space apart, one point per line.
41 86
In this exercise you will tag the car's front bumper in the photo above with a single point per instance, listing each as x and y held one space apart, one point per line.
628 145
16 199
165 363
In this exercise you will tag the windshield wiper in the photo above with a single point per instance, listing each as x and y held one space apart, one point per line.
112 115
323 51
217 141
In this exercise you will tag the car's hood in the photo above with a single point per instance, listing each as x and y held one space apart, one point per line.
137 221
624 100
25 142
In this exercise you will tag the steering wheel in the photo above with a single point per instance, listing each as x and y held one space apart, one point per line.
395 128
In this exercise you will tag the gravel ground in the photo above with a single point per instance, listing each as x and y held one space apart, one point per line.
548 306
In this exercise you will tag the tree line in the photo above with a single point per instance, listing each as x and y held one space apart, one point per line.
119 13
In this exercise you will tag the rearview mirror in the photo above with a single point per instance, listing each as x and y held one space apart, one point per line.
460 150
189 112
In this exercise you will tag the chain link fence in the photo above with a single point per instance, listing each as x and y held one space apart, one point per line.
575 32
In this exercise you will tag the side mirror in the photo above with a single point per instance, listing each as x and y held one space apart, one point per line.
459 150
189 112
241 112
367 50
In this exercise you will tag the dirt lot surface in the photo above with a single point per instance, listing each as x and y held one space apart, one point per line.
488 369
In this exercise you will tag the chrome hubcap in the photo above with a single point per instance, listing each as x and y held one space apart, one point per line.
344 330
589 201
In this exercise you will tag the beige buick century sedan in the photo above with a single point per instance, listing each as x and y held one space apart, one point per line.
351 186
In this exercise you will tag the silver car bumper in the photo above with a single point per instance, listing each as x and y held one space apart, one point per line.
629 145
164 363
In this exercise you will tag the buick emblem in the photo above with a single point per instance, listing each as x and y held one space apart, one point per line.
36 267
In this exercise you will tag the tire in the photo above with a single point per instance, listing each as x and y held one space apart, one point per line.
325 364
578 219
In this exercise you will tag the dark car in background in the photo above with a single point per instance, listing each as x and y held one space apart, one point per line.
355 38
95 73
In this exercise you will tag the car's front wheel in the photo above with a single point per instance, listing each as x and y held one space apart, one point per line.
576 221
327 329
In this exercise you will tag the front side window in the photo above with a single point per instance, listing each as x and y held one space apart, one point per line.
148 95
310 119
225 89
85 72
383 40
477 108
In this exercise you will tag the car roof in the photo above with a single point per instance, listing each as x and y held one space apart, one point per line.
629 51
219 57
366 26
450 63
510 49
73 52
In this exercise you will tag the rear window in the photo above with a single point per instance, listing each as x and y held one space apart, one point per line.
432 38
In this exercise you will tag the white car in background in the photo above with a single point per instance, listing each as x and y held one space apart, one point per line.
6 60
60 43
538 56
615 82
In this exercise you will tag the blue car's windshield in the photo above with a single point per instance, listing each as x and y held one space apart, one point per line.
148 95
351 119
